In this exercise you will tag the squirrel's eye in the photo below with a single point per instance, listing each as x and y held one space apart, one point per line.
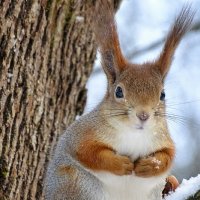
162 96
119 92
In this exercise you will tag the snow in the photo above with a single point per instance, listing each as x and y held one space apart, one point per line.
156 161
186 189
79 18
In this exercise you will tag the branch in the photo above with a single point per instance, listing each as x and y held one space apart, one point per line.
195 27
188 189
145 49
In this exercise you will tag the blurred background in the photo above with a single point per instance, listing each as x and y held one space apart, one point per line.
142 27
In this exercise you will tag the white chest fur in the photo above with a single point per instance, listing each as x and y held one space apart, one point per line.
131 187
132 143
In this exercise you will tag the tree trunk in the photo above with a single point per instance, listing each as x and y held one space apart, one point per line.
46 55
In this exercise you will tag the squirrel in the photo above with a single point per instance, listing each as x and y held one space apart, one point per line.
122 149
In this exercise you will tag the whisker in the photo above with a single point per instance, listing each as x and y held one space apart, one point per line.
178 118
175 120
114 114
179 122
116 109
169 107
182 103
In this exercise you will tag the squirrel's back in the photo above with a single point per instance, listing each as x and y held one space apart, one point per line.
65 176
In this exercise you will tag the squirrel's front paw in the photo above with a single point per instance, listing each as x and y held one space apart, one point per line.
122 165
147 167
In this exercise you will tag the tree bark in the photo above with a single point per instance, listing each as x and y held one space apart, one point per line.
46 55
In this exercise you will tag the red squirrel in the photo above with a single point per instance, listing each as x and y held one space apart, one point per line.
122 149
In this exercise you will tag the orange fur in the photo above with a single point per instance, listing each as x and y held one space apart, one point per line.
174 182
96 155
69 170
171 185
155 164
72 186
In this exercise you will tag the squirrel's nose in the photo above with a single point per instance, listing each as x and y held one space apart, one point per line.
143 116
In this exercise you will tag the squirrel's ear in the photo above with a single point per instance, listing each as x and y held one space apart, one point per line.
107 38
179 28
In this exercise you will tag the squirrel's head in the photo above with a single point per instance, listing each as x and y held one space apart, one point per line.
135 92
136 95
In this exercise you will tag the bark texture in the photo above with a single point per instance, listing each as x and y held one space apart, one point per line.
46 55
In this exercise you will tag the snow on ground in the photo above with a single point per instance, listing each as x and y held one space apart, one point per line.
186 189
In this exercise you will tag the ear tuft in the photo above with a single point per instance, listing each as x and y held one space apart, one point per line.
180 27
106 35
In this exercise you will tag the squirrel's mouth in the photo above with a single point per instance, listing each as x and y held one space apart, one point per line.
139 126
